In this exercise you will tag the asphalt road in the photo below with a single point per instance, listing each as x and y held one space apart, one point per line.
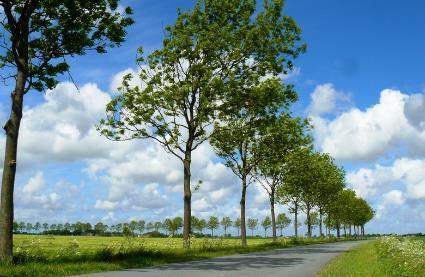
296 261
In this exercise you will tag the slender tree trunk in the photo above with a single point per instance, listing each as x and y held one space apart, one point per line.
281 232
273 216
296 219
9 170
225 232
349 230
242 203
308 221
187 196
338 234
345 231
321 221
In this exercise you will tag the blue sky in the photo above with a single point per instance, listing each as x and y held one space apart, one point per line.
361 81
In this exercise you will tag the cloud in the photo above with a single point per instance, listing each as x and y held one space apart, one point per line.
325 98
366 135
35 183
405 173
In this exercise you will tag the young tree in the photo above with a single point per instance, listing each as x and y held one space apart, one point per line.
282 221
132 226
37 226
45 227
213 224
157 225
226 222
38 36
237 224
208 55
29 227
266 223
149 226
15 227
252 224
202 224
140 226
280 138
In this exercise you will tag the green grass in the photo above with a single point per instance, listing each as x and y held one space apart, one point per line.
362 260
63 256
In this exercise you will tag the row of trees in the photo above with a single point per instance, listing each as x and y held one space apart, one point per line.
218 79
169 226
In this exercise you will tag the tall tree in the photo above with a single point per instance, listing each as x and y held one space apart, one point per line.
208 55
213 224
279 140
226 222
38 36
282 221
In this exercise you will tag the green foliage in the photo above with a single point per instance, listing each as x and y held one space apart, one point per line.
39 35
266 223
252 224
212 224
282 221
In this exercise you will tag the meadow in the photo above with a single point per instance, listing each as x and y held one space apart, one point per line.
39 255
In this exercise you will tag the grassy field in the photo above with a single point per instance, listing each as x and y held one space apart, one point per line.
63 256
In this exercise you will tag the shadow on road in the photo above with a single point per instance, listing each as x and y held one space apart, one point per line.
279 258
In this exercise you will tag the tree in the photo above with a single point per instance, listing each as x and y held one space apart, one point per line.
237 224
15 227
149 226
226 222
37 226
266 223
29 227
157 225
37 38
280 139
45 226
212 224
282 221
252 224
22 226
314 221
100 228
202 224
211 52
194 223
133 226
140 226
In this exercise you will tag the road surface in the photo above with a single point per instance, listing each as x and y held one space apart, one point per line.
297 261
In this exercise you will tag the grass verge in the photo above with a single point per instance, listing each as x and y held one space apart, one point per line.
362 260
33 262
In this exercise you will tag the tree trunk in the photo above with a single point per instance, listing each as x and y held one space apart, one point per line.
273 217
338 234
349 230
9 170
320 221
225 232
242 203
308 221
187 196
296 219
